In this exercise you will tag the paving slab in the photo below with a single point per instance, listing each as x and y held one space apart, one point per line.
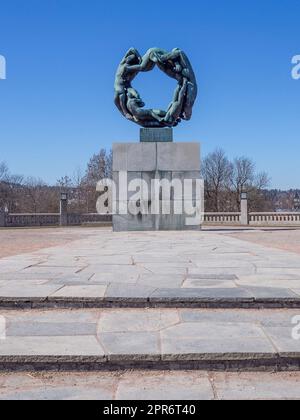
48 329
128 292
208 284
276 317
197 340
283 340
137 320
86 291
28 291
48 345
131 346
162 281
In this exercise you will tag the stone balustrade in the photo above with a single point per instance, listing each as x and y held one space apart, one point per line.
230 219
50 219
222 218
255 219
266 219
28 219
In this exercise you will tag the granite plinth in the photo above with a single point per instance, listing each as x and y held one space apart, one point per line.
168 163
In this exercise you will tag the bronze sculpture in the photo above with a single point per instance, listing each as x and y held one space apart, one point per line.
176 65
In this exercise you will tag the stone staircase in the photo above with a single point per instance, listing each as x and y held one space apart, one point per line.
171 301
105 339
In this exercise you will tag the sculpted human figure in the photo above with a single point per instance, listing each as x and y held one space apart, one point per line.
149 60
175 109
177 65
127 71
135 106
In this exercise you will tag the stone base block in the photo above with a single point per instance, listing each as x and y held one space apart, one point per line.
145 162
167 219
130 223
147 157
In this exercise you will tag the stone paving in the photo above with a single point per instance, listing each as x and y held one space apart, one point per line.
145 385
152 268
245 338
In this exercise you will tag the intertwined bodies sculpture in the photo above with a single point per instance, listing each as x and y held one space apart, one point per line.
177 66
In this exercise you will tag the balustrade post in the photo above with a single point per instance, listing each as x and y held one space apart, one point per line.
64 209
244 209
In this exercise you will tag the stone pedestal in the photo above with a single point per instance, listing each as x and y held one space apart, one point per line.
244 211
140 164
63 212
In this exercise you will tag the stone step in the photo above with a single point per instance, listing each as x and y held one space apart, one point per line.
102 339
133 296
117 295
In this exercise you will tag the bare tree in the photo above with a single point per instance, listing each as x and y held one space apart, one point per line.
225 180
99 167
64 182
34 194
80 192
4 186
4 172
9 185
217 172
242 176
262 181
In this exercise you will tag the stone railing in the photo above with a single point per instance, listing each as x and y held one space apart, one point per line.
51 219
94 218
222 218
265 219
218 219
26 219
255 219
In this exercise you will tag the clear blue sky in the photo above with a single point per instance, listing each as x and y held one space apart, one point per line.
56 106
